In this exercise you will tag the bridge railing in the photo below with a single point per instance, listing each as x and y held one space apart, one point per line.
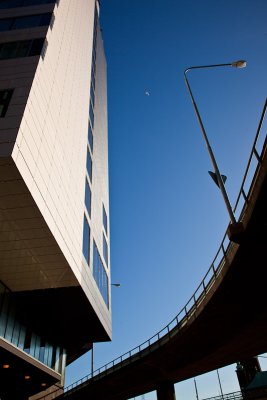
188 311
228 396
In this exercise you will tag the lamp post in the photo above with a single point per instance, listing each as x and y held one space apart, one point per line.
235 228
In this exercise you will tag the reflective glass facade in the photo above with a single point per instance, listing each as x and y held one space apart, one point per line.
5 97
23 3
100 275
25 48
28 21
15 332
86 240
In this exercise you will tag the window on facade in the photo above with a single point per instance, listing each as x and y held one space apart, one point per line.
25 48
90 136
105 219
29 21
100 275
92 95
86 240
5 96
93 81
89 164
87 197
22 3
91 114
105 249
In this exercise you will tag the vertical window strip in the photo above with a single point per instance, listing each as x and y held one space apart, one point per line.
105 249
105 219
86 240
90 137
88 196
5 97
89 164
100 275
92 116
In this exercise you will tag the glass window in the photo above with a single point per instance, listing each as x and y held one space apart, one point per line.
22 3
5 24
105 219
87 197
90 136
92 95
105 249
36 47
91 113
100 275
89 164
93 81
5 96
29 21
86 240
23 48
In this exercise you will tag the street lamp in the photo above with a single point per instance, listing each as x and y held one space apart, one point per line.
235 228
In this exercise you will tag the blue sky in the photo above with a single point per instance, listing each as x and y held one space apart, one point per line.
167 216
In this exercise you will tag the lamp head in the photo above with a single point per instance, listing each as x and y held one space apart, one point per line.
239 64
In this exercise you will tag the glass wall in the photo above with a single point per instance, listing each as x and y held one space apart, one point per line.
100 275
28 21
23 3
12 330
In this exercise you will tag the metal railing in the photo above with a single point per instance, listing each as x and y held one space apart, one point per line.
228 396
190 308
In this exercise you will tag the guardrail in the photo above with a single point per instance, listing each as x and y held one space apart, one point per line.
188 311
228 396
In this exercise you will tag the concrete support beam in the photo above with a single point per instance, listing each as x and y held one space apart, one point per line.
166 392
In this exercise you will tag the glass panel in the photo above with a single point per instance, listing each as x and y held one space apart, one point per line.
22 336
86 240
16 333
105 249
89 165
50 356
105 220
92 95
10 3
100 275
5 24
91 114
4 312
36 47
37 347
57 360
33 344
88 197
31 21
90 136
5 97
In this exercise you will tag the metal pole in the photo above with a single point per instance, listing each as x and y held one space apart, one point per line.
211 154
219 383
196 389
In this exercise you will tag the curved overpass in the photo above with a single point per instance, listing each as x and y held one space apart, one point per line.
224 321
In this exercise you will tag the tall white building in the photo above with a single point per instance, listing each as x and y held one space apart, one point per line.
54 196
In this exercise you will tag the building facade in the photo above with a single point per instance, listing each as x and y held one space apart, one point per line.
54 197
